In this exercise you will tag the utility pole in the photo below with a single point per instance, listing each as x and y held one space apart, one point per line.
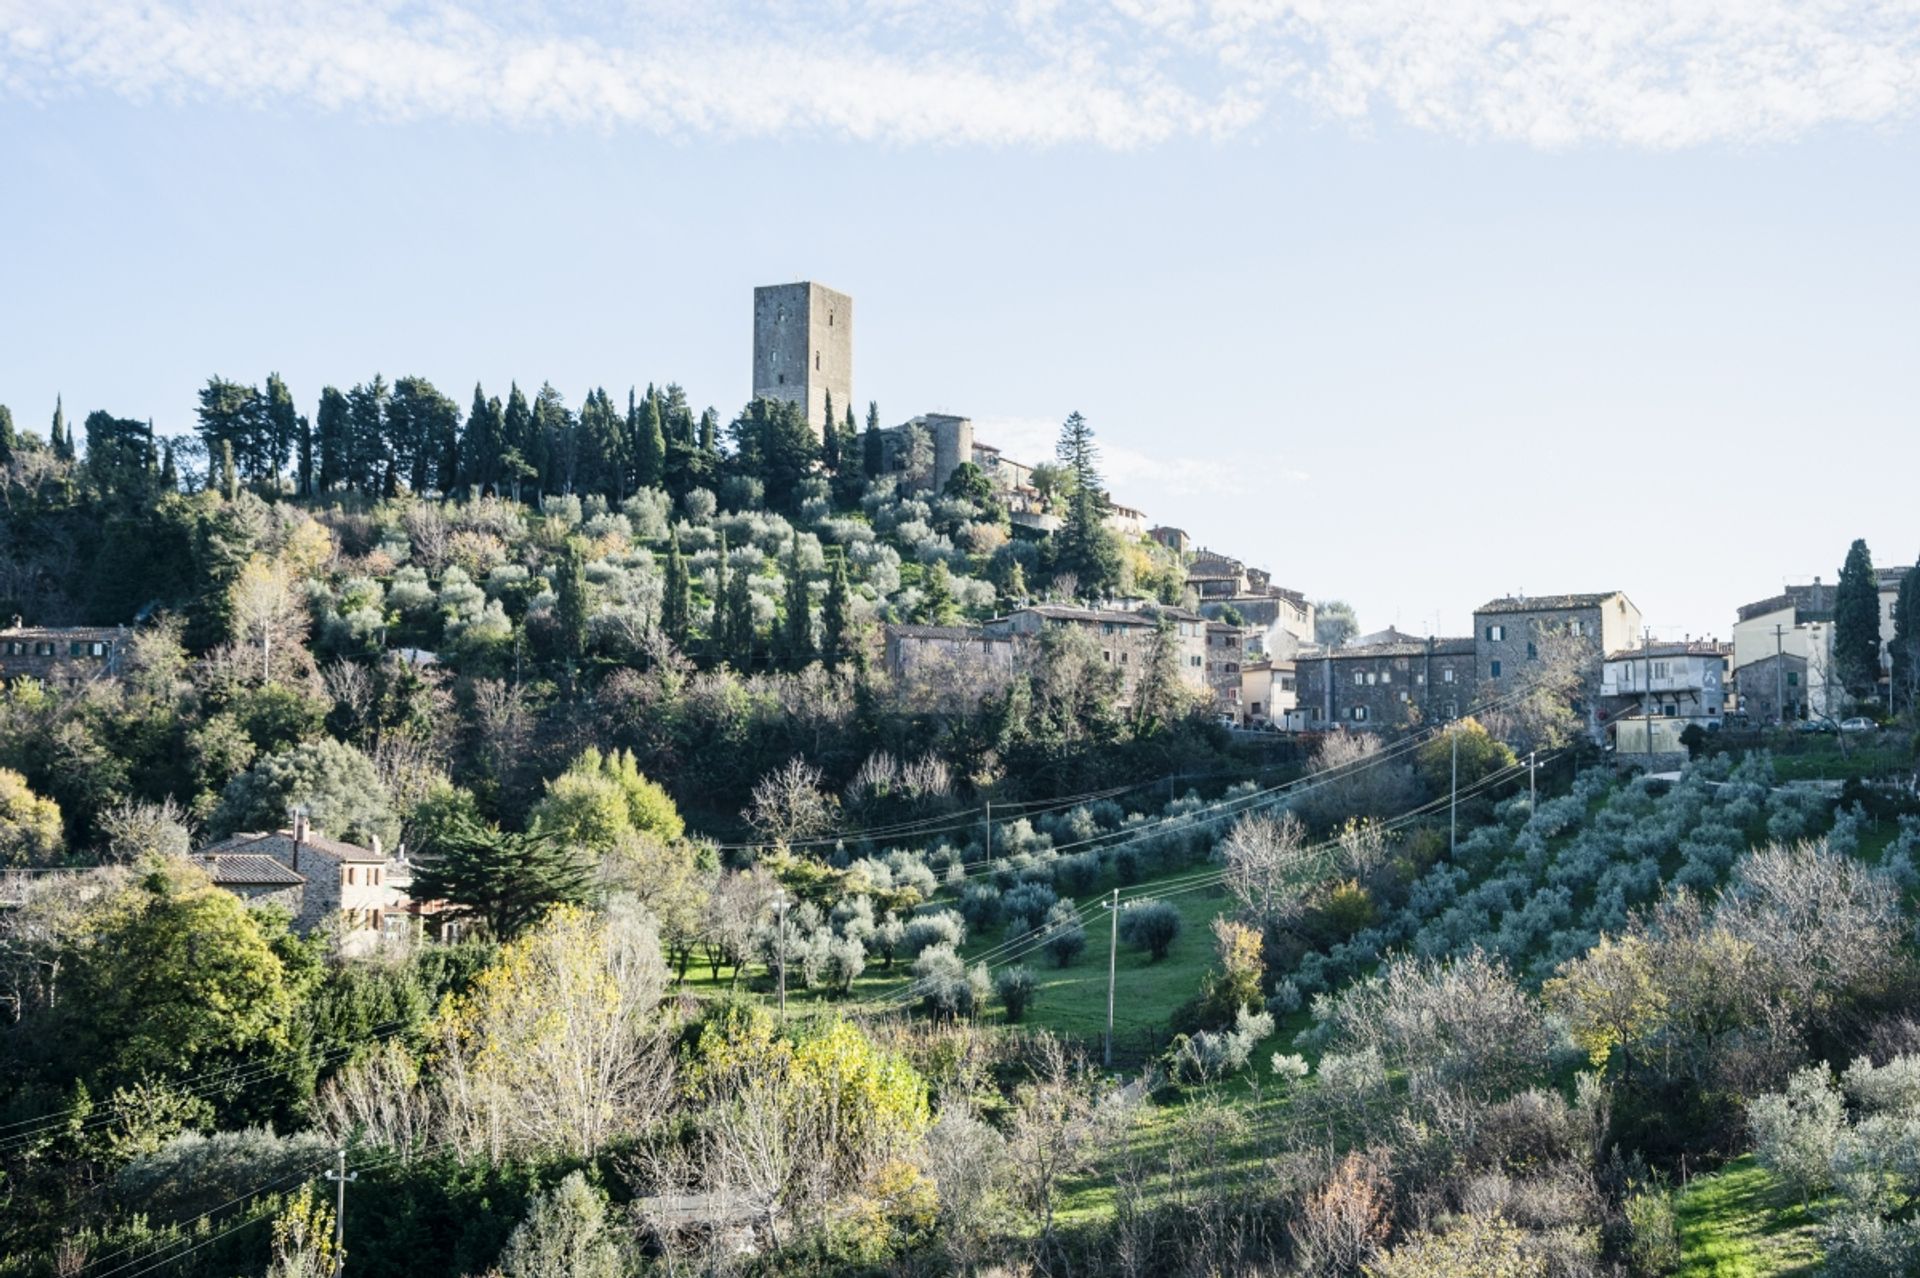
339 1176
780 903
1533 785
1453 804
1113 955
1779 675
989 829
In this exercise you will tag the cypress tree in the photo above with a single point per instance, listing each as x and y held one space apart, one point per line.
306 456
280 428
483 443
517 430
61 442
676 608
1856 622
836 616
709 434
229 477
741 630
796 633
937 607
333 429
649 445
829 438
7 436
169 477
718 640
875 458
1906 638
572 604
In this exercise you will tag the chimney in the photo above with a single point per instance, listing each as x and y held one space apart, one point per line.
375 848
299 826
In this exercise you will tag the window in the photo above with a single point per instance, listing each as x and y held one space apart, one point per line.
1372 678
1493 669
1386 676
1123 657
816 361
1533 651
75 648
1793 679
1496 634
1106 655
1196 660
97 649
1403 697
1419 680
1660 669
1670 711
1446 676
1576 627
783 379
1359 714
1359 680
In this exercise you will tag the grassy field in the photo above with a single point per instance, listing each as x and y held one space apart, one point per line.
1737 1223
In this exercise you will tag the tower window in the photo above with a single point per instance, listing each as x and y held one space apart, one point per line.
783 379
816 361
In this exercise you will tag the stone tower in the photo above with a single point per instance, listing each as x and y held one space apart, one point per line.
803 348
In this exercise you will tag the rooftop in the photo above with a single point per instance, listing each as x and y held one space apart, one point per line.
83 634
1683 648
1547 603
1406 646
258 842
943 632
246 869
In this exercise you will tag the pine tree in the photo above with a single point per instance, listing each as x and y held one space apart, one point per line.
1856 623
507 880
8 438
836 616
333 427
1084 546
796 622
676 608
937 606
229 476
742 632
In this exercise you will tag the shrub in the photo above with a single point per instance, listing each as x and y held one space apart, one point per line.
1795 1132
1015 987
1150 925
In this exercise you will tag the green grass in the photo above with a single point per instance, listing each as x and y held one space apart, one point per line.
1738 1223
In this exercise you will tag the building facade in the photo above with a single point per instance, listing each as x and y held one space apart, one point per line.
1125 639
1652 694
1226 658
803 348
344 890
1382 686
67 655
1512 636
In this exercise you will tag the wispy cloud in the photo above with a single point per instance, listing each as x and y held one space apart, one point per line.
1135 476
1123 73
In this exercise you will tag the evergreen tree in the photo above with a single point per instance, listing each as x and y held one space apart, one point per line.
517 429
718 640
710 436
507 880
60 441
554 436
423 428
8 438
229 474
829 438
836 616
572 602
1906 639
601 455
306 456
774 444
796 622
874 460
484 442
234 415
169 476
334 431
119 456
1016 588
650 444
937 606
1856 623
368 457
741 630
280 428
676 607
1085 546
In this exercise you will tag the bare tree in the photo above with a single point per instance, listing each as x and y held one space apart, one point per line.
266 610
790 803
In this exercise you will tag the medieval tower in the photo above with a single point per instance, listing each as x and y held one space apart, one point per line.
803 348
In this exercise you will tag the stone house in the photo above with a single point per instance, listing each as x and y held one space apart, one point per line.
1381 686
1513 634
957 663
1125 638
1174 539
1279 621
256 879
1226 655
68 655
343 886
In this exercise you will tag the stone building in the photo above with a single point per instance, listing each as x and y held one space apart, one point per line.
952 440
62 654
1126 639
1226 657
1278 621
256 879
1380 686
949 665
1783 650
344 891
803 348
1513 635
1651 694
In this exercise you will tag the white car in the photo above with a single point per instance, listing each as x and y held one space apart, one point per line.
1858 724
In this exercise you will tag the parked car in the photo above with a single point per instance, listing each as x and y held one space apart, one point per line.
1858 724
1816 725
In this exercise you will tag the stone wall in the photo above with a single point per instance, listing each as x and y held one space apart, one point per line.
803 348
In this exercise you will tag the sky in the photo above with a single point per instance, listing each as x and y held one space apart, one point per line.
1414 305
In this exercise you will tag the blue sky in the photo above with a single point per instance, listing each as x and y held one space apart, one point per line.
1412 310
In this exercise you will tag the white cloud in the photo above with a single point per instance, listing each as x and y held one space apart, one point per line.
1136 478
1123 73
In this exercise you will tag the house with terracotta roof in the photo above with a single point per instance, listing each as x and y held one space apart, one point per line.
69 655
343 888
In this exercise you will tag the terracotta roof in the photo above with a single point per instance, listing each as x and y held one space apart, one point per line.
1546 603
944 632
247 869
1691 648
68 634
1442 647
